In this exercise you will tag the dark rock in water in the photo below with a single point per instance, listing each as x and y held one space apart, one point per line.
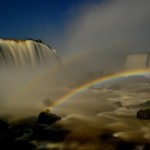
47 118
22 129
19 134
146 104
144 114
45 129
7 140
53 133
15 145
147 146
123 145
3 126
4 130
117 143
115 87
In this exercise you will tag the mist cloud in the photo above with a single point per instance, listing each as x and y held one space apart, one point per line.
114 26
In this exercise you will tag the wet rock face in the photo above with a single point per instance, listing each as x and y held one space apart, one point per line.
19 135
47 118
4 130
144 114
16 145
147 146
115 143
8 141
53 133
45 129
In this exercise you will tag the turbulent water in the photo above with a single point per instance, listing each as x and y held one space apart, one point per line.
26 53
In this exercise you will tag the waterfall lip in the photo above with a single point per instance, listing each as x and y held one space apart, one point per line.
23 40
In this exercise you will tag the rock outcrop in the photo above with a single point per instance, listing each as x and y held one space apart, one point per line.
144 114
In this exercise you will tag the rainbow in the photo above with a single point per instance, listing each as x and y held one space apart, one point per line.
97 81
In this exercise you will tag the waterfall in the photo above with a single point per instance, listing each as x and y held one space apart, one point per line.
137 61
21 53
22 64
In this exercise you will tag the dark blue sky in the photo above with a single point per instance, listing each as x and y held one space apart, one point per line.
39 19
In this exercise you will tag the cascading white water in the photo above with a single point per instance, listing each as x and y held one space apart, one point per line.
137 61
26 53
22 62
